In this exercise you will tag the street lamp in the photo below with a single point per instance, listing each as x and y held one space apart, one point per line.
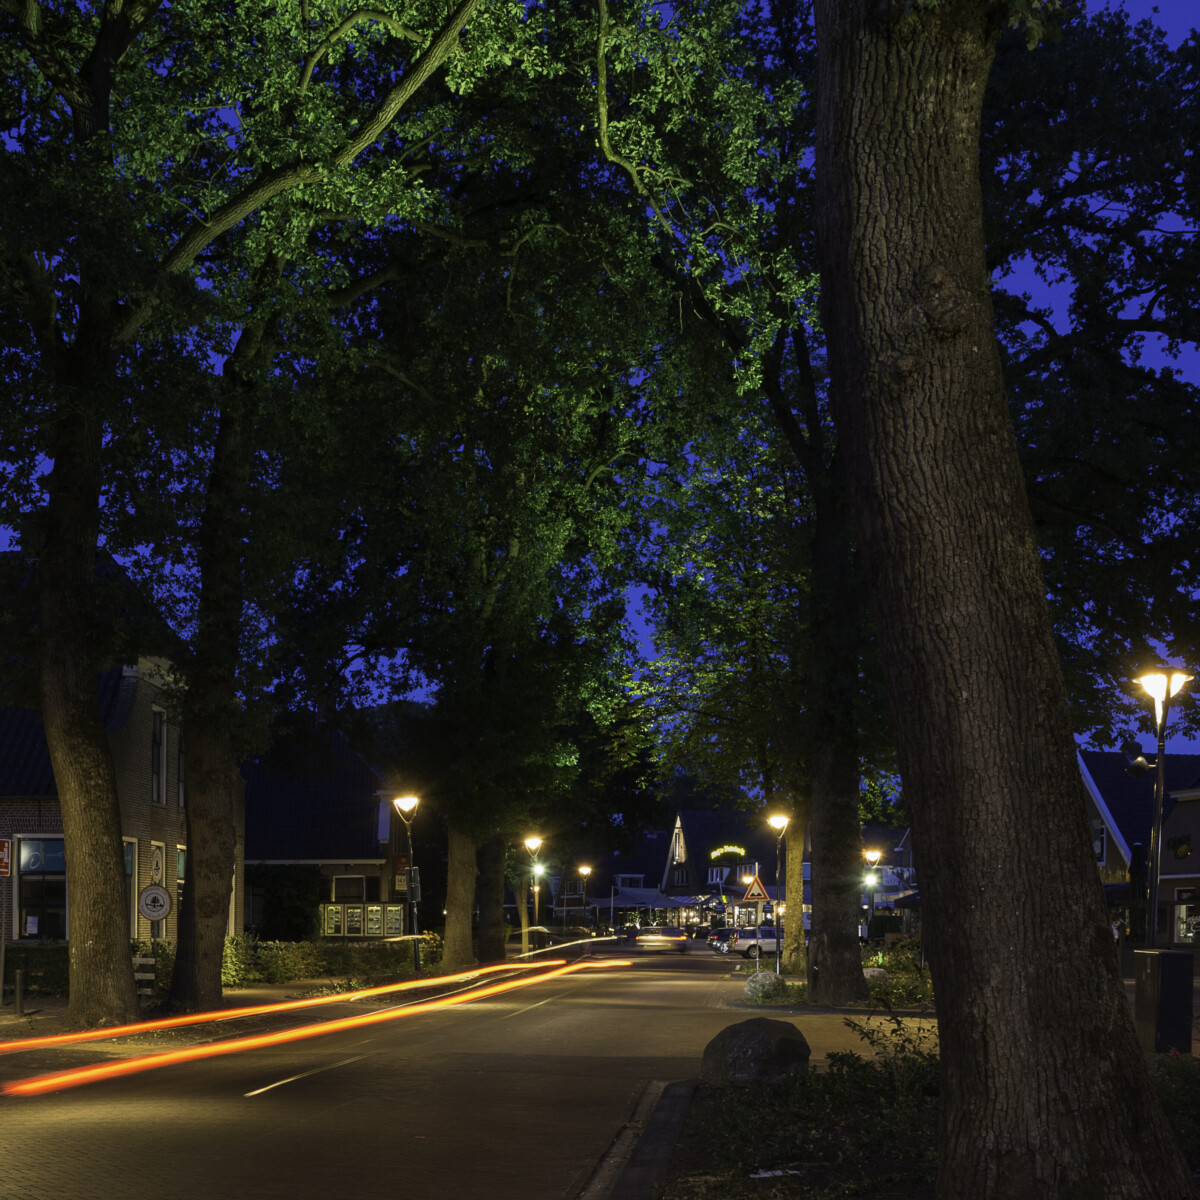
532 844
406 808
1162 687
778 823
872 857
584 872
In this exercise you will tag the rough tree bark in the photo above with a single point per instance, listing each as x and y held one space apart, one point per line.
459 951
1044 1089
102 988
492 856
834 959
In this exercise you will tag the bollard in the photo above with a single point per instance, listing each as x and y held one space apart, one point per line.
19 993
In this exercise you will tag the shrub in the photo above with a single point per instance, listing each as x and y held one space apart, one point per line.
45 967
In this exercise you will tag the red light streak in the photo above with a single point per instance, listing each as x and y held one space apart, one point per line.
256 1010
79 1076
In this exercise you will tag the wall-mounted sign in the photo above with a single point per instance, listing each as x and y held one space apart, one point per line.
5 856
738 850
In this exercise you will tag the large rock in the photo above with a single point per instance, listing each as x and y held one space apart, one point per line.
754 1051
875 975
763 984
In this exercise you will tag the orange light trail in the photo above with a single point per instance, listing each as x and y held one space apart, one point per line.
256 1010
79 1076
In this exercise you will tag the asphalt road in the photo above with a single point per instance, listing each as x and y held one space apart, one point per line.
518 1096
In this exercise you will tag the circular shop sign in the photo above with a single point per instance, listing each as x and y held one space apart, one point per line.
154 903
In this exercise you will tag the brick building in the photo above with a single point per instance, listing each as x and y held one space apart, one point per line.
150 760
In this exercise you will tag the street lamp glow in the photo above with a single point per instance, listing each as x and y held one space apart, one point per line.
873 856
871 879
778 823
538 869
1162 687
405 805
747 879
585 871
533 844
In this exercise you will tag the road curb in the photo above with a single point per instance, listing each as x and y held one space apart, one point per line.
635 1170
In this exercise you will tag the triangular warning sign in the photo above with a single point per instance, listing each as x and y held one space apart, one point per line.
755 891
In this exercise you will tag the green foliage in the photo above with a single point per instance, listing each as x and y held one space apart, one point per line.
45 967
908 985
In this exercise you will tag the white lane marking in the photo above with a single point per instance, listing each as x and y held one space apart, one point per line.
302 1075
530 1007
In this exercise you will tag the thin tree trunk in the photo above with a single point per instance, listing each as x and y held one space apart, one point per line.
102 988
795 956
1044 1089
460 900
492 856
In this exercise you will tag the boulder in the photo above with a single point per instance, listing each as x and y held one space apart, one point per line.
763 984
875 975
754 1051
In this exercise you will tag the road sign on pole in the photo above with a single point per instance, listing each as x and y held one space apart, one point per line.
755 891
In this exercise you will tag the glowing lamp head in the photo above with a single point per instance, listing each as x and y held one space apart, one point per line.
873 856
538 870
778 823
532 844
747 879
871 879
406 805
1163 686
585 871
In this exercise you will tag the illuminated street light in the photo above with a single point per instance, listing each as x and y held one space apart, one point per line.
1162 686
779 823
406 809
584 872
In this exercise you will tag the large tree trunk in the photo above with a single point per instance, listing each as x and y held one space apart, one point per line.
834 961
210 703
460 900
492 855
213 789
102 989
1045 1092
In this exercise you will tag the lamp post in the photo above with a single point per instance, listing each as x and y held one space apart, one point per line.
584 872
532 844
872 857
406 808
779 824
1163 687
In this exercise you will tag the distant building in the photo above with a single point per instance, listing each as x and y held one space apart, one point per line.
1121 809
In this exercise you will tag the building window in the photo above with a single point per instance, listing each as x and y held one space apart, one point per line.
349 887
180 777
158 873
180 876
131 889
573 887
42 887
157 756
1187 915
680 876
716 874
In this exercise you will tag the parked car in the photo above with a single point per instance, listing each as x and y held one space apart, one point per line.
662 938
718 941
754 941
